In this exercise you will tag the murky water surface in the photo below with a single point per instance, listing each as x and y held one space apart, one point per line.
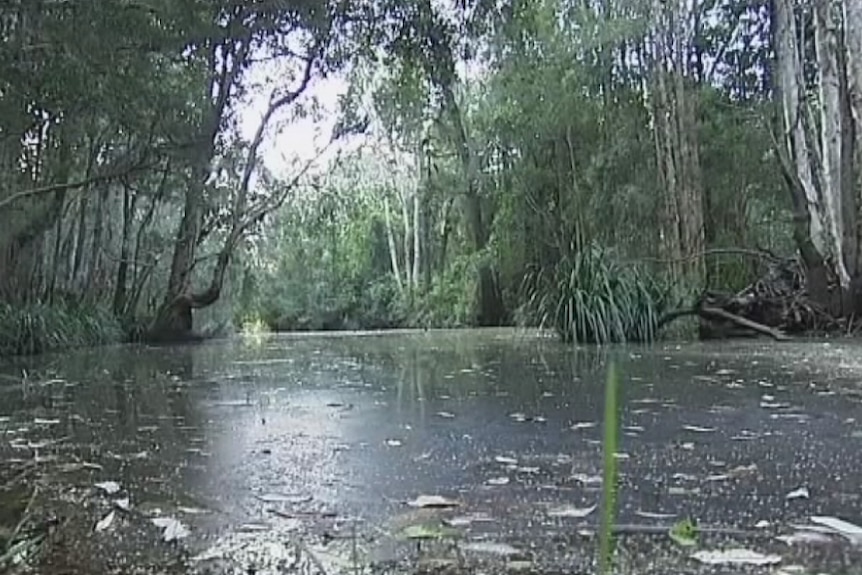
328 437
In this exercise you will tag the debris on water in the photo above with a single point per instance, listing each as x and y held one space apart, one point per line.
849 531
587 480
191 510
570 511
698 429
491 548
433 501
467 520
105 522
109 487
805 537
428 531
800 493
735 556
41 421
283 498
654 514
684 533
172 528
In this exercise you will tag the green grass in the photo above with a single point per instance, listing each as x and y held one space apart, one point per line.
590 297
40 328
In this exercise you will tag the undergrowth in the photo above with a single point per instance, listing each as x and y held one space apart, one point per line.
591 297
38 328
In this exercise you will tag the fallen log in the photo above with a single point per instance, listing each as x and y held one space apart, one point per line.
719 313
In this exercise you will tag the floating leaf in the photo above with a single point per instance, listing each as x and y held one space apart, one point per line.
698 429
430 501
283 498
801 493
587 480
467 520
171 528
654 515
109 487
684 533
428 532
805 538
571 512
735 556
105 522
490 548
846 529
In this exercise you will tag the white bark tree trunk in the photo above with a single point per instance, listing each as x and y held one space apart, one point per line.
790 82
393 251
826 41
852 10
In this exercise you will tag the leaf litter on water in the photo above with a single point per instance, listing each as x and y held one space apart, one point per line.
848 530
800 493
735 556
570 511
105 522
433 501
172 528
109 487
498 481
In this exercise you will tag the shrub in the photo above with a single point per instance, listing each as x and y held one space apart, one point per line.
591 297
38 328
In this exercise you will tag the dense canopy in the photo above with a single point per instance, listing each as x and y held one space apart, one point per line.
589 166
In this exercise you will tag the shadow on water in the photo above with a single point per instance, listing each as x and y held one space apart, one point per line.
304 435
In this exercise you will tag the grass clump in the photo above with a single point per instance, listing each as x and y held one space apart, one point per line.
591 297
39 328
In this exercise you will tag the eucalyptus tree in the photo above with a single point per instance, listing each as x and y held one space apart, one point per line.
819 141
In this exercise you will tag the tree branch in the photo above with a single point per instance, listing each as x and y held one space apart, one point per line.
72 185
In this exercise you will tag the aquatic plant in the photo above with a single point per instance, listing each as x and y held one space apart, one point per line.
609 479
592 297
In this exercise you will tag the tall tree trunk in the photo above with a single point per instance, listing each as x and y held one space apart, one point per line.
121 287
393 251
826 40
489 298
814 231
852 11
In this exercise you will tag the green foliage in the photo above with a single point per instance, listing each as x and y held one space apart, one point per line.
449 301
40 328
592 297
